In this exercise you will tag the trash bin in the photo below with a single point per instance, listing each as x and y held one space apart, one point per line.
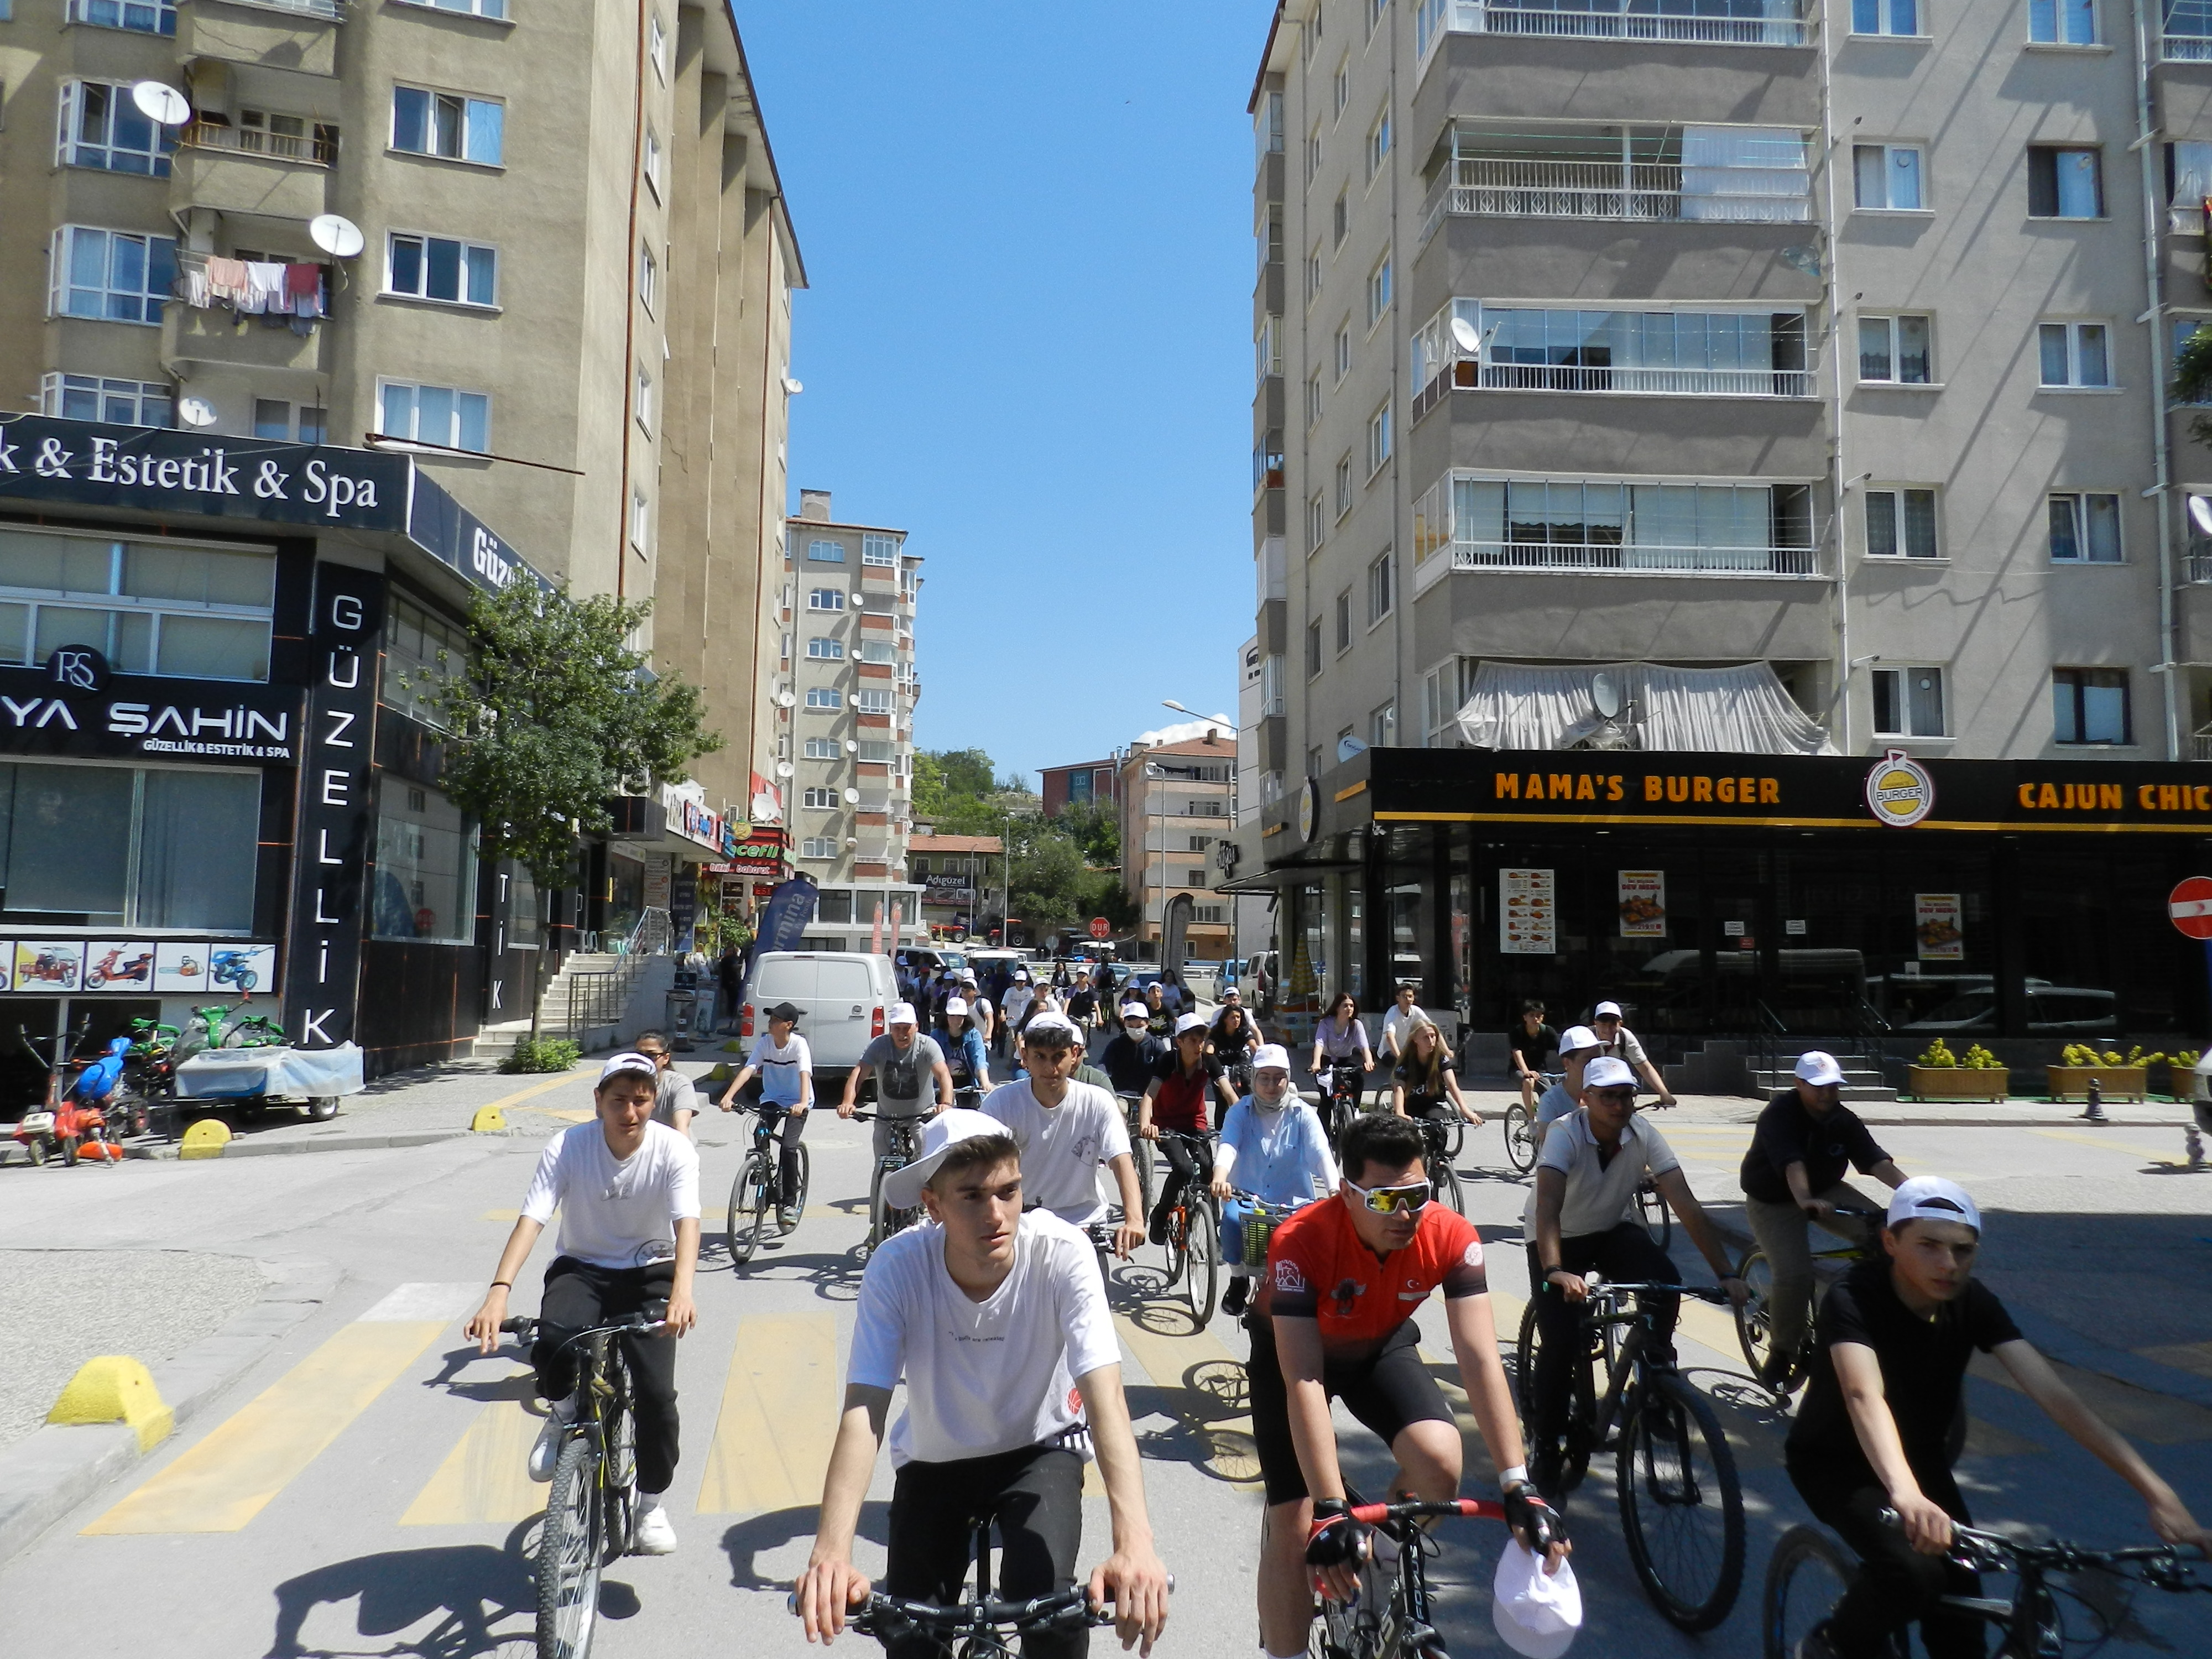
683 1011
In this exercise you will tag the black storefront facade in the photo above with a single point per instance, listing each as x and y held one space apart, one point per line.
216 769
1868 902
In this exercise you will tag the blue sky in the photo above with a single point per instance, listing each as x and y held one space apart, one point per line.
1027 340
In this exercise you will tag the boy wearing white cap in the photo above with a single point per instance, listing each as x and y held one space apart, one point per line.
997 1321
1793 1172
912 1077
1892 1345
628 1191
1616 1039
1066 1130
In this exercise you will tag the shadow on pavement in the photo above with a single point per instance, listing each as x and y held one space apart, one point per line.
748 1540
468 1588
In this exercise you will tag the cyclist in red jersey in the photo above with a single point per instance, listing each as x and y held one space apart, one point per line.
1334 1319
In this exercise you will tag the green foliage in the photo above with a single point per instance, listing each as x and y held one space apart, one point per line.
542 1053
1096 830
1061 872
949 783
2079 1054
2193 382
1979 1058
1939 1054
556 718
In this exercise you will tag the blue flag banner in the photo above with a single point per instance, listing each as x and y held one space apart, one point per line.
790 908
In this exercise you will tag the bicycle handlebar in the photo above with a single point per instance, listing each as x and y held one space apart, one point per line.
1598 1286
1995 1551
1071 1608
628 1324
1370 1515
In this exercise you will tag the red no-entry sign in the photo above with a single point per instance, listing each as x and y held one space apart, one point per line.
1100 928
2190 906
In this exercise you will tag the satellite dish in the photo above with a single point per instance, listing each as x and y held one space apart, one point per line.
792 388
2200 514
1347 747
1464 337
159 101
785 699
1606 695
783 768
335 234
852 797
196 412
852 746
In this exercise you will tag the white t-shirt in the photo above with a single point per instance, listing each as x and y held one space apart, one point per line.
1625 1046
1598 1198
1063 1145
780 1069
1016 1003
987 1377
1394 1023
615 1212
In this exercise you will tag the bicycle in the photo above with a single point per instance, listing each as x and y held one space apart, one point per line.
1247 1223
759 1185
1755 1321
1523 1140
1681 1504
1195 1231
1652 1212
592 1502
1140 1150
1436 1133
1810 1570
1340 1106
1389 1617
906 1146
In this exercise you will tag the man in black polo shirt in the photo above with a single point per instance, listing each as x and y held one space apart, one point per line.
1893 1343
1793 1173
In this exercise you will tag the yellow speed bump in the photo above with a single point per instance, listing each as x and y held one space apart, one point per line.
488 1120
205 1139
115 1388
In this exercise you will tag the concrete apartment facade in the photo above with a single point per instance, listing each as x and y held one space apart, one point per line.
845 689
593 278
1178 800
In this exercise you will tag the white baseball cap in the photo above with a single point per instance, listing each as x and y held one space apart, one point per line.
1135 1011
1021 976
900 1013
1578 1037
1051 1020
1271 1057
1818 1069
1605 1009
1189 1023
1608 1073
1931 1198
628 1060
1537 1613
902 1187
954 1006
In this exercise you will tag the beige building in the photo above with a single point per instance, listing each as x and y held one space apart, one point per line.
572 306
1177 799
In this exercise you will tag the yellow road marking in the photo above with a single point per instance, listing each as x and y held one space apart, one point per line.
779 1417
229 1477
521 1094
2109 1145
567 1116
1203 1386
486 1476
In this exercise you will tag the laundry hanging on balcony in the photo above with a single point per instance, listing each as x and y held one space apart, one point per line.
282 293
1744 710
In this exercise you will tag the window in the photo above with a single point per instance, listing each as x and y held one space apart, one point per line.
826 748
1894 349
826 696
2089 706
644 400
1313 153
421 653
1312 276
1312 761
2085 529
2064 183
1908 702
1378 439
151 608
649 280
872 702
264 133
1343 486
435 414
1900 523
272 418
140 17
472 8
876 651
1378 291
825 599
826 552
875 748
1380 589
878 550
1887 178
424 886
640 520
656 45
1313 398
1374 10
824 650
2185 329
818 846
1313 649
821 798
2063 22
2073 354
1317 523
438 268
1340 220
119 403
69 834
460 129
1595 524
1344 622
112 275
100 127
1378 142
1340 352
1383 726
1885 17
1341 84
653 162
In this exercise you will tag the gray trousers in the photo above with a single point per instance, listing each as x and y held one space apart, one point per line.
1780 1230
911 1111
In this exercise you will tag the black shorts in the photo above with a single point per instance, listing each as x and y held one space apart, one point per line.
1386 1393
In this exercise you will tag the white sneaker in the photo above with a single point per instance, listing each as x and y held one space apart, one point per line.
547 1452
652 1535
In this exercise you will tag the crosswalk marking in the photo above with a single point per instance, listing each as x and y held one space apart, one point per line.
779 1417
426 1300
486 1476
1205 1387
228 1478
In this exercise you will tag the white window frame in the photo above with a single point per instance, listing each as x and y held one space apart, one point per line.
1378 291
1316 522
470 103
161 15
70 150
1890 169
1378 143
830 599
1340 219
656 46
818 846
643 408
147 298
1381 588
821 800
825 552
880 549
1340 86
872 702
1886 18
466 261
1312 274
2074 354
648 279
824 699
495 9
56 386
1902 699
1892 324
1340 350
385 383
1893 500
824 748
640 520
1314 404
2062 16
1378 439
655 160
822 649
2078 505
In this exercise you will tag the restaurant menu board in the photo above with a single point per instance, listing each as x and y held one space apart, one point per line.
1528 914
1643 903
1935 928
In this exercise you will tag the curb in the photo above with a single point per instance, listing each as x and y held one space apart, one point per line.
49 1473
329 1143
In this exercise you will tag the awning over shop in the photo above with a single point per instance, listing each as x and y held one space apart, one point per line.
1742 710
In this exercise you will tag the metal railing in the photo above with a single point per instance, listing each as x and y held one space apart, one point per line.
2200 746
2197 566
1638 558
1513 187
1600 20
2186 48
596 1000
1656 382
319 150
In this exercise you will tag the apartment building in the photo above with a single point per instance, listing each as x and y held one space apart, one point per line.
1085 783
844 689
1178 797
562 284
1719 378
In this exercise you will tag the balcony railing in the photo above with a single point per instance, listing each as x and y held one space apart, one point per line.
1652 382
1512 187
2186 48
1708 24
320 148
1641 558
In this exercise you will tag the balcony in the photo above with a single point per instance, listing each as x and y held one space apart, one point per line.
319 148
1702 22
2186 32
1643 559
242 184
290 35
218 339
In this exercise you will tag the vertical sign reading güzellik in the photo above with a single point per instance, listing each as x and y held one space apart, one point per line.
333 839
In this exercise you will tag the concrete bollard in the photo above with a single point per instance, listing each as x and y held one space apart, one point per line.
488 1120
205 1139
115 1388
2095 1111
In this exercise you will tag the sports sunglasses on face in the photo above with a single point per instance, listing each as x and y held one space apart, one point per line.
1411 1198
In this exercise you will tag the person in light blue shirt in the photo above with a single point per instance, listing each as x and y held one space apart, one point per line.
965 1053
784 1065
1274 1144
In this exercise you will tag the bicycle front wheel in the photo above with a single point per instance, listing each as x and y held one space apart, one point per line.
797 1209
1805 1577
1682 1506
1141 1154
1203 1261
1520 1137
569 1554
1448 1188
1754 1321
747 1217
1652 1210
619 1482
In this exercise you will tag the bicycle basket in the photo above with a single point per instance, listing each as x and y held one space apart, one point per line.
1246 1227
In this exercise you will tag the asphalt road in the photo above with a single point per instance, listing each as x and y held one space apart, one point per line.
360 1492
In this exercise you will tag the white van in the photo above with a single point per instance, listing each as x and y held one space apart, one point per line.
841 997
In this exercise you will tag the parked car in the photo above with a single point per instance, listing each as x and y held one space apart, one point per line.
2052 1011
1247 974
842 996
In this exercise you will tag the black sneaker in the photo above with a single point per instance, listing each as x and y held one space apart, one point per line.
1233 1299
1158 1232
1546 1473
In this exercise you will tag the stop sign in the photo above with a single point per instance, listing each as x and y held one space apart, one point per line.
2190 906
1100 928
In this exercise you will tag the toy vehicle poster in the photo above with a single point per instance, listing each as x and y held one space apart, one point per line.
180 965
113 964
1936 928
1643 903
48 965
1528 914
239 968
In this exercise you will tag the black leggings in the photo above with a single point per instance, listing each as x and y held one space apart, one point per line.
1188 1159
1895 1583
1035 1496
1626 1253
579 1296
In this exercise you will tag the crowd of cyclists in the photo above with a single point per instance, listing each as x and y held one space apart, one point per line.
993 1310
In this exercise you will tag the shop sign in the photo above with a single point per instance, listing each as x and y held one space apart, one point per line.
947 887
336 826
1899 790
462 542
1938 928
147 716
1643 903
659 869
1528 914
689 819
